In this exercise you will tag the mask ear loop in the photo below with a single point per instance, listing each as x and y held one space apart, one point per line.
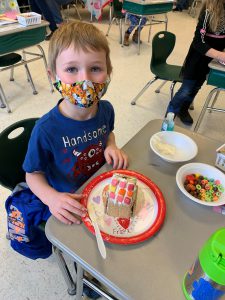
203 29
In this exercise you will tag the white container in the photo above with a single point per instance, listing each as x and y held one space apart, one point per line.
30 18
173 147
220 158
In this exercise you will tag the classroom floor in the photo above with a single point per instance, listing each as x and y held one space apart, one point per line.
24 279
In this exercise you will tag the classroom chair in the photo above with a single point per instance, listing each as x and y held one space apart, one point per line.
193 8
13 148
117 16
162 46
74 5
10 61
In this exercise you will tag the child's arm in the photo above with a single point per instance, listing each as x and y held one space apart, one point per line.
62 205
213 53
114 155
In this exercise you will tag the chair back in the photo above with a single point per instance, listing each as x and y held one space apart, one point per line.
117 7
162 45
13 151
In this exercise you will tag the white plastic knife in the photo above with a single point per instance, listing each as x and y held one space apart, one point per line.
100 242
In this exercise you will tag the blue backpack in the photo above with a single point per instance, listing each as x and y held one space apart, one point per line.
25 212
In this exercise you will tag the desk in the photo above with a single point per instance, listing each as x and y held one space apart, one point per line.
216 78
155 268
16 37
144 8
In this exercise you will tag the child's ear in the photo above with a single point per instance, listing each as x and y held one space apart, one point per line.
50 73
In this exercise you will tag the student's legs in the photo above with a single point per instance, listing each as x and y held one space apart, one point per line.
54 6
183 98
41 7
182 4
140 27
134 22
143 22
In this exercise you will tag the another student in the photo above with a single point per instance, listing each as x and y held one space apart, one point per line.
41 7
181 4
134 22
208 43
55 7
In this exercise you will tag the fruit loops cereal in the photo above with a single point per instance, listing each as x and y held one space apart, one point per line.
203 188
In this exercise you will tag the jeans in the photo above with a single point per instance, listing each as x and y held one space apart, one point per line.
134 21
41 7
54 6
182 4
185 95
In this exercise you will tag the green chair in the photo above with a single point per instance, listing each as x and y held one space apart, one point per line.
13 149
9 61
117 16
162 46
5 61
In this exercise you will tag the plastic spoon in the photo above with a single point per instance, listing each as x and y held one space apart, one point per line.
100 242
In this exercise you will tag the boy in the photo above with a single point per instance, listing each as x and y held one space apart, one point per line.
76 137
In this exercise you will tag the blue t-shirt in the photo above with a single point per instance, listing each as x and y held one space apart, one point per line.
69 151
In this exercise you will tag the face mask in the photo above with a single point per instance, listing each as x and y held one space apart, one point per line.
82 93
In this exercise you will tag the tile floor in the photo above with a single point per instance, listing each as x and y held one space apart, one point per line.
21 278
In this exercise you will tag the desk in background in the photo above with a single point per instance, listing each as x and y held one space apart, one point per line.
155 268
216 78
148 8
16 37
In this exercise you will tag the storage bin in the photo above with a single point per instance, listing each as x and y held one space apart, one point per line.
30 18
220 158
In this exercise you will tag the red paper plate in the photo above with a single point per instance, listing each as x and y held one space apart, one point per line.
126 231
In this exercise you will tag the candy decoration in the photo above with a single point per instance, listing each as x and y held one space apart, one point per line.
203 188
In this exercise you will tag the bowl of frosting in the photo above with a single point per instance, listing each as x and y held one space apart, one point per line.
173 146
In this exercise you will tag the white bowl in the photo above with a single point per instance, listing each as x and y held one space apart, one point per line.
205 170
173 146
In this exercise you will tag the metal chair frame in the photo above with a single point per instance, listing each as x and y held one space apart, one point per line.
24 61
193 8
73 4
115 19
215 92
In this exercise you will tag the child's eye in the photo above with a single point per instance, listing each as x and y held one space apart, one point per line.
71 70
95 69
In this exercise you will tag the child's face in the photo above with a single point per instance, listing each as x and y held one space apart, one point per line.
73 65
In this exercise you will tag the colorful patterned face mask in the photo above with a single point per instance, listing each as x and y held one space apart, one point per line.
83 93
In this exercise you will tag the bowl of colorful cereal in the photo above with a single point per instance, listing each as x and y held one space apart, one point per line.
202 183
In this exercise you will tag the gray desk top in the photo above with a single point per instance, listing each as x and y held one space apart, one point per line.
155 268
16 27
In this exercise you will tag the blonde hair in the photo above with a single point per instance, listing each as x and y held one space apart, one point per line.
81 35
216 12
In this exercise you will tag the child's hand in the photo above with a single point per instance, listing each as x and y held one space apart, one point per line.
64 205
116 157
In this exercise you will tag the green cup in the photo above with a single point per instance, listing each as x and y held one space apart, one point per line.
206 278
